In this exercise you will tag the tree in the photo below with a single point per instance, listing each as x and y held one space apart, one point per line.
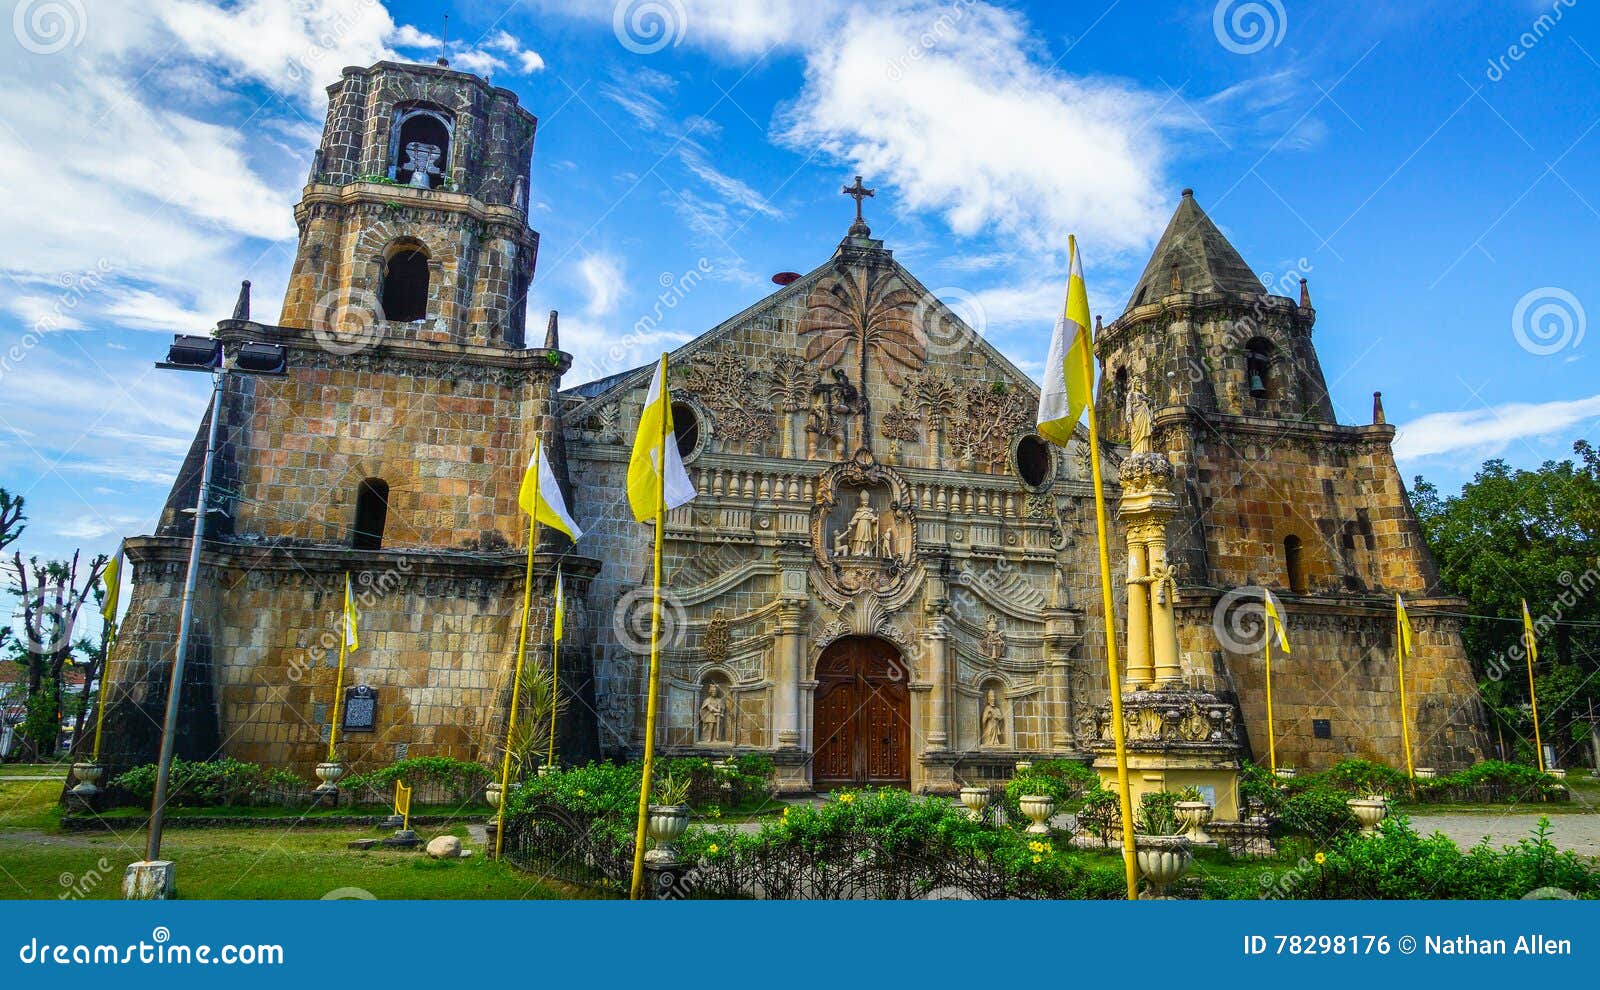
50 594
1515 535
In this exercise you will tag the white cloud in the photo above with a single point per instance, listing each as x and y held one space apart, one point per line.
602 282
728 187
1479 433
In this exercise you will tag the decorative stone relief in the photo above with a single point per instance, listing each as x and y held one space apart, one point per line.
717 637
993 644
991 413
723 384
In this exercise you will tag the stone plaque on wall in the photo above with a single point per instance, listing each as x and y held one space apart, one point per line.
360 709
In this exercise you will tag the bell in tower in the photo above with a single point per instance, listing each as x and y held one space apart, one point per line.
413 225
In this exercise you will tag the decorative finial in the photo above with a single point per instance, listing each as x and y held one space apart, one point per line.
1377 409
1188 194
1305 295
444 45
858 192
241 309
552 336
1097 324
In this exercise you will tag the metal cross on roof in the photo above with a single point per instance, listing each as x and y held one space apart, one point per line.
858 192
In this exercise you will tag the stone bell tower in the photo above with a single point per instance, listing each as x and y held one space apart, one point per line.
415 212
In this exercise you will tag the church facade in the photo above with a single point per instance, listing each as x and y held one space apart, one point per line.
887 578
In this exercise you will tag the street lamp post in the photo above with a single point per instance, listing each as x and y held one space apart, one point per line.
152 878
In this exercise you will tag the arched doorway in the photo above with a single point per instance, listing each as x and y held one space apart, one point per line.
862 721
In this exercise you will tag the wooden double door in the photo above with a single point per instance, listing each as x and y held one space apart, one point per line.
862 720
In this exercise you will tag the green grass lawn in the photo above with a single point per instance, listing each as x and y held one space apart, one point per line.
290 863
134 814
29 803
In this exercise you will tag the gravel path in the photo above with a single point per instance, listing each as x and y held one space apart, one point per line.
1577 832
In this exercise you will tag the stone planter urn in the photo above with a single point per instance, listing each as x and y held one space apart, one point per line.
1287 773
1038 808
1557 773
491 793
976 799
1426 773
329 773
1023 766
1369 811
88 777
1195 815
665 823
1162 860
544 771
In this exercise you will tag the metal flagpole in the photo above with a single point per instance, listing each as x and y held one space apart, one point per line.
637 887
555 669
108 638
516 675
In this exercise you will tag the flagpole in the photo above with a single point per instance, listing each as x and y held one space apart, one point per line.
1533 697
1272 742
1118 730
637 887
338 683
108 637
516 675
1405 716
555 673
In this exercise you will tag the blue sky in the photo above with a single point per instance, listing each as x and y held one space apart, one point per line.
1431 169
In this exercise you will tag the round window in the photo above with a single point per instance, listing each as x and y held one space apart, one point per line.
1034 461
686 425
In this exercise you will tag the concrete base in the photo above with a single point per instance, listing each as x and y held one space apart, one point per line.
792 771
85 804
149 880
939 774
1176 739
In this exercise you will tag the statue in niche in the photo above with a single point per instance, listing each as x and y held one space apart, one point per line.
863 528
714 715
1139 416
994 641
992 727
420 159
886 543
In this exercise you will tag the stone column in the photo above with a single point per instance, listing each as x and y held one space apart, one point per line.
1058 666
1163 620
789 645
939 684
1139 667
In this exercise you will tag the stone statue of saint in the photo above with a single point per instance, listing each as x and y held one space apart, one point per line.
886 543
993 722
994 641
1139 414
713 716
863 528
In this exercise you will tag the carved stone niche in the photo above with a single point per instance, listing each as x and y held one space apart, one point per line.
863 527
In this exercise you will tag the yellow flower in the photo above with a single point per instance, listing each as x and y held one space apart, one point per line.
1320 858
786 812
712 849
846 798
1038 859
1036 846
580 792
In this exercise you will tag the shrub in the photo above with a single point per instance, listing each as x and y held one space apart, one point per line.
1066 781
459 778
1157 814
205 783
1318 811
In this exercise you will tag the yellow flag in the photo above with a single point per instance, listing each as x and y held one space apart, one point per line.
112 579
1530 638
540 495
1069 369
655 462
1275 621
1405 626
351 616
561 609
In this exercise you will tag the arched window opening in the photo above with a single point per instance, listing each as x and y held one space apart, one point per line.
419 151
686 424
405 285
372 512
1033 461
1258 368
1294 564
1119 389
